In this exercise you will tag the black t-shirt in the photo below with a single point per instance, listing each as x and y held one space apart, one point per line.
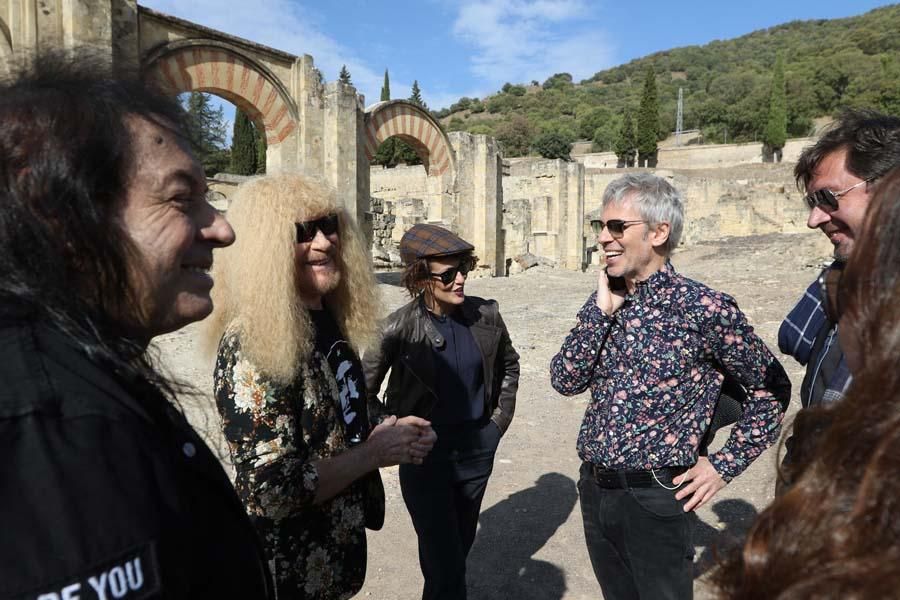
347 372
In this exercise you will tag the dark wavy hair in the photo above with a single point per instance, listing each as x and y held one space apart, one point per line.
836 532
872 141
66 159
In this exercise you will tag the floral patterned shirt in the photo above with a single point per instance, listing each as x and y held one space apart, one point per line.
652 368
275 433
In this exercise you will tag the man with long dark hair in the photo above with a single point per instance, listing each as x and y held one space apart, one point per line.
837 174
106 239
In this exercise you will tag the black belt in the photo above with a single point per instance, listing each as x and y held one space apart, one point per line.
621 480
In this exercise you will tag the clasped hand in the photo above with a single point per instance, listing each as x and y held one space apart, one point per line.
405 440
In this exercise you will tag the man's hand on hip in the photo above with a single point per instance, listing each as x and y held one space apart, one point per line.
703 482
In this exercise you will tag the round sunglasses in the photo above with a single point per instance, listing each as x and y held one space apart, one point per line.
306 230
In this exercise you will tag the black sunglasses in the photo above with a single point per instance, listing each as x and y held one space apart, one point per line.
830 284
306 230
449 276
616 227
827 200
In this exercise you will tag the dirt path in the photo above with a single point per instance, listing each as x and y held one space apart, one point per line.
530 543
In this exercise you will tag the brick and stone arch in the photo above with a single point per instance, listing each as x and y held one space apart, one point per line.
415 126
199 65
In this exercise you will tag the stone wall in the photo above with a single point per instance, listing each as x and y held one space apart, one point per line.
739 201
543 203
702 157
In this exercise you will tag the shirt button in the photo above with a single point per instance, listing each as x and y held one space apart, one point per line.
189 449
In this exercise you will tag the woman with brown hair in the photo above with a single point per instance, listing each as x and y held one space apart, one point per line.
836 533
451 362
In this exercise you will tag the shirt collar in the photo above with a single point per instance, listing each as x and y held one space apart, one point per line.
656 284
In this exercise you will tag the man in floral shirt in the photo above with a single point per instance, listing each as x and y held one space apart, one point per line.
652 346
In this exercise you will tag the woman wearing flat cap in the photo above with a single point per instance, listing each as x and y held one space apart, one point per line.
451 361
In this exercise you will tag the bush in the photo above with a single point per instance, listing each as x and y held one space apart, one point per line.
553 144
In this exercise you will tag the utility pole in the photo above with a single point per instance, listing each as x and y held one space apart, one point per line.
679 119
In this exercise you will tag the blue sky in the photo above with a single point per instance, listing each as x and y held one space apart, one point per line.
470 48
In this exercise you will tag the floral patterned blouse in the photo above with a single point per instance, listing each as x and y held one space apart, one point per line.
652 371
275 433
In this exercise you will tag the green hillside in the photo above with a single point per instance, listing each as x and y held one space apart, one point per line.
828 65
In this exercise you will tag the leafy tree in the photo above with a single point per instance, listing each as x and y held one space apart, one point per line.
648 121
626 142
605 136
206 130
462 104
244 145
595 118
558 80
386 88
344 76
517 90
416 96
514 135
775 134
553 144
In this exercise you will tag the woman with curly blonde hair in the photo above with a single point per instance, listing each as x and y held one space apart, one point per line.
295 300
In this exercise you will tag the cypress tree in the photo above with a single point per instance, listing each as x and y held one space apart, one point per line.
626 141
243 145
386 88
648 122
775 134
344 76
416 96
207 132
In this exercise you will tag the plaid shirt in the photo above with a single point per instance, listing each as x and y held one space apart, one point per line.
797 335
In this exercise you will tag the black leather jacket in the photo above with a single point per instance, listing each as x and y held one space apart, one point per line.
101 474
408 337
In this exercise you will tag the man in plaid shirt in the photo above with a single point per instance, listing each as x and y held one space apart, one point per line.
838 174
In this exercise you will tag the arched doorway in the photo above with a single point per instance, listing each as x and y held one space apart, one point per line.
201 65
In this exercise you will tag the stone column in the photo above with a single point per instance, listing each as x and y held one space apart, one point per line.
341 147
479 197
572 234
126 44
308 96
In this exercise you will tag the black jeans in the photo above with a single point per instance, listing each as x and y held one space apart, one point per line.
640 540
443 496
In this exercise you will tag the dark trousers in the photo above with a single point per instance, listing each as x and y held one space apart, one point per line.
443 496
640 540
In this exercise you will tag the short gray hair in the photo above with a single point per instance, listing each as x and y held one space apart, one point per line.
655 198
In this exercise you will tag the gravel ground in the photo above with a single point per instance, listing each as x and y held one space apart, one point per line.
530 543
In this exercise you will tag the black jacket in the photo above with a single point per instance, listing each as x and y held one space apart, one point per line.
104 486
406 349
